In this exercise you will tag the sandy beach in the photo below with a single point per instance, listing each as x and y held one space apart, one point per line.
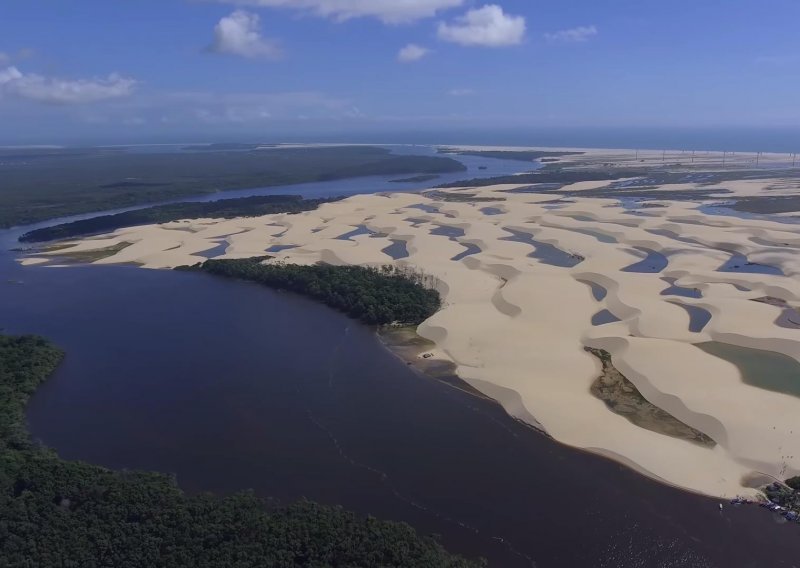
523 274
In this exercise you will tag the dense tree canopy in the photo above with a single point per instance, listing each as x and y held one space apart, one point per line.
374 296
55 513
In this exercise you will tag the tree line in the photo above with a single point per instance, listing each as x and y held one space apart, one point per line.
375 296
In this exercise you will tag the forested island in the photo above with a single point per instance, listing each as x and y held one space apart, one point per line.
58 513
45 183
223 209
375 296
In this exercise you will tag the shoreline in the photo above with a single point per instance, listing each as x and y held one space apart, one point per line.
409 347
412 358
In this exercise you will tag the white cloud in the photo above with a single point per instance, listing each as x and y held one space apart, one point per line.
461 92
574 35
488 26
240 34
412 52
388 11
61 91
5 58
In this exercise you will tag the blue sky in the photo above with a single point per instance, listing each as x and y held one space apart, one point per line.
204 69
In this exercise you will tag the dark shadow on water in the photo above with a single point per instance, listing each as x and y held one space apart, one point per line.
739 263
279 248
599 235
675 290
492 211
214 252
603 317
359 230
415 222
425 207
469 250
397 250
444 231
698 317
653 263
544 252
599 293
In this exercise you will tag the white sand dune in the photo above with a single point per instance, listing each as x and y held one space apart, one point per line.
516 327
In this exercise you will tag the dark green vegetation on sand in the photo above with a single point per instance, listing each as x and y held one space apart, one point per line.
56 513
39 184
388 295
517 155
223 209
623 398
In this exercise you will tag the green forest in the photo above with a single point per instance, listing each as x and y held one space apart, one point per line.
375 296
222 209
65 514
44 183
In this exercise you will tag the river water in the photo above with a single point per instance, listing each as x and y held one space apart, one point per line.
232 386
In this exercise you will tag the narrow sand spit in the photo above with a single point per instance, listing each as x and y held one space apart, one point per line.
516 321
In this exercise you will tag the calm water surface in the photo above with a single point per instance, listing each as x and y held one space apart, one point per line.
231 386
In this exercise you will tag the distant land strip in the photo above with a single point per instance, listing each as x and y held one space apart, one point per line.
517 155
222 209
47 184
